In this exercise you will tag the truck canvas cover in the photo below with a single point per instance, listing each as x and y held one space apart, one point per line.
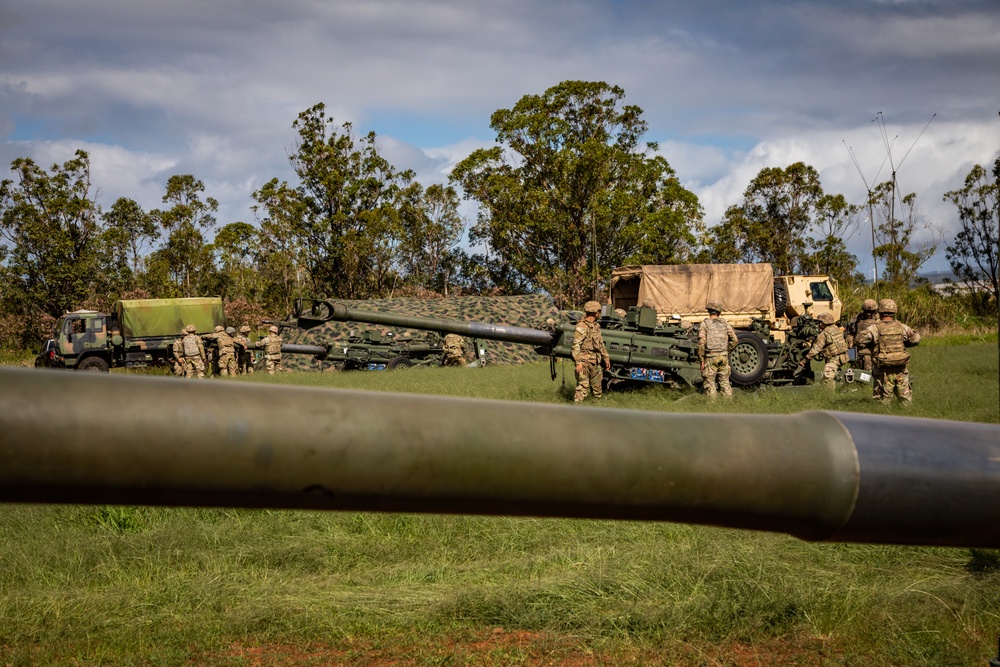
142 318
683 289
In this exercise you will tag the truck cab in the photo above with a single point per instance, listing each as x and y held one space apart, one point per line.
82 341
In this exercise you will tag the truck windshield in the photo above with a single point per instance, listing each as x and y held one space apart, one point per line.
820 292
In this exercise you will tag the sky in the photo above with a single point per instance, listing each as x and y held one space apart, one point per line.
728 87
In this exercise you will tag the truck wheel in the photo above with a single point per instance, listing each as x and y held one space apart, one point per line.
780 299
748 361
399 362
94 365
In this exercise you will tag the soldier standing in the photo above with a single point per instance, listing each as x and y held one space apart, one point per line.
831 346
454 351
224 352
194 353
867 317
889 340
272 350
716 337
589 353
244 351
178 352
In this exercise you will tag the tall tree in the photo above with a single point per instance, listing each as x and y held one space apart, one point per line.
974 254
895 245
186 253
127 231
344 211
771 224
51 224
431 230
570 191
835 222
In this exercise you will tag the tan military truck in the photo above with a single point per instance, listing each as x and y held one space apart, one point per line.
748 292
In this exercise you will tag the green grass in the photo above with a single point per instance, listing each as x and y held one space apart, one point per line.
160 586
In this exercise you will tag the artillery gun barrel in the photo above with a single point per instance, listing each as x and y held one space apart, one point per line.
816 475
484 330
315 350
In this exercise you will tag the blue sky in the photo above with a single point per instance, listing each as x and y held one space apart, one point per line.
152 89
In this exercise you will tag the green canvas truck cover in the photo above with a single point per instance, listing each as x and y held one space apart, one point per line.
141 318
683 289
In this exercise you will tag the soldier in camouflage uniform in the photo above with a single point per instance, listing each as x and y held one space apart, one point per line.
244 351
889 340
194 353
831 346
716 337
454 351
271 345
178 351
589 353
225 355
867 317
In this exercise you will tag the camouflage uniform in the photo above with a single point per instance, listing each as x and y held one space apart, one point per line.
454 351
194 353
244 352
178 352
889 340
831 346
271 345
225 355
589 353
867 317
716 337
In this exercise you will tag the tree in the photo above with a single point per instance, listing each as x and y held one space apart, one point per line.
51 225
835 221
894 234
186 255
569 192
127 230
771 224
973 254
238 247
344 210
431 230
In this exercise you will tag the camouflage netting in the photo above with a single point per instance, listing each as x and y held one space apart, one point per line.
522 311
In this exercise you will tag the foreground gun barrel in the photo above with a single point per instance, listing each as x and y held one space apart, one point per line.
816 475
510 334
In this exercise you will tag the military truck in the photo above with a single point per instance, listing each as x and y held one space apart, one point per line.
139 332
754 298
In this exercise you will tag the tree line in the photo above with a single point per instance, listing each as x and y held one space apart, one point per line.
569 191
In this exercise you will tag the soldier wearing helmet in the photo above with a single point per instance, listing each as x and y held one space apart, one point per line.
244 351
194 353
867 317
831 346
178 353
888 340
271 344
589 354
454 351
224 358
716 338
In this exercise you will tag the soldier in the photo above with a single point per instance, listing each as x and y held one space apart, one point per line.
831 346
194 353
589 353
272 350
178 352
867 317
244 351
888 340
716 338
224 354
454 351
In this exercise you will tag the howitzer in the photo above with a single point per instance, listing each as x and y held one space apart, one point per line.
816 475
377 351
640 349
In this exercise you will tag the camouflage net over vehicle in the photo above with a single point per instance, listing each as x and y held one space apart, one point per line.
530 310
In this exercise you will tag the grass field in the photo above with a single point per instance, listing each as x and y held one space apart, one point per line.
84 585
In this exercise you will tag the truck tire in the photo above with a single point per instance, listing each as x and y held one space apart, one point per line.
748 360
399 362
94 365
780 299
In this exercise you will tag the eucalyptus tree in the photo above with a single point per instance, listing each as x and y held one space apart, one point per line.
974 254
570 191
186 254
897 223
432 228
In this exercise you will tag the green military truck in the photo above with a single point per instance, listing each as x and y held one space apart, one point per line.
139 332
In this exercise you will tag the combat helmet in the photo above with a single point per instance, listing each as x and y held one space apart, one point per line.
714 306
245 329
230 330
825 318
219 328
869 306
591 307
191 328
887 306
273 329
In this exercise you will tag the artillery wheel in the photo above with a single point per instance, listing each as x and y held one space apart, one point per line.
748 360
399 362
94 365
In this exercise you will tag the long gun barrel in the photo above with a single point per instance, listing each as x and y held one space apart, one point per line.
816 475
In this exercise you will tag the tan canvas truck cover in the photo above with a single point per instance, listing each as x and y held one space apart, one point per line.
140 318
684 289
